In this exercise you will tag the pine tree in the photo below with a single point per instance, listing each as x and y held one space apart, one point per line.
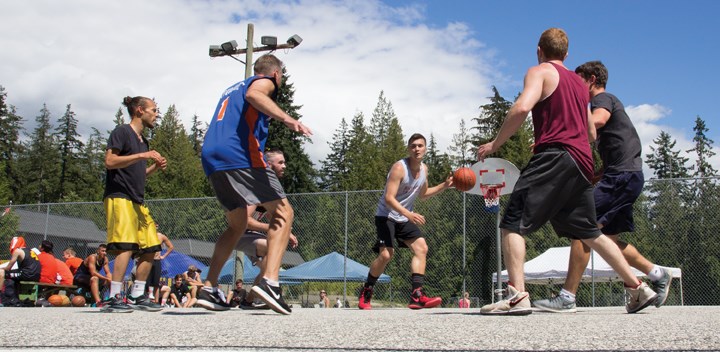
460 151
300 175
197 134
40 163
92 180
703 149
335 168
664 161
386 132
365 173
70 146
439 166
10 149
517 149
184 176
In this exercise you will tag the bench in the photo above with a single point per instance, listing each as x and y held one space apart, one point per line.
32 290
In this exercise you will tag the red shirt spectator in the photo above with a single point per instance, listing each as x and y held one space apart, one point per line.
65 274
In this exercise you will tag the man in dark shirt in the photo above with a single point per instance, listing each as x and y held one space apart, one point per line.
620 185
555 185
131 230
28 269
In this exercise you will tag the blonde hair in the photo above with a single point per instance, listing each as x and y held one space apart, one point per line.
554 44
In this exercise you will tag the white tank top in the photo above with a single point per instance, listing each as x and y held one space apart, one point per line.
407 192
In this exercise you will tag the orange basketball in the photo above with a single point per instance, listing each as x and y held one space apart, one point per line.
78 301
56 300
464 179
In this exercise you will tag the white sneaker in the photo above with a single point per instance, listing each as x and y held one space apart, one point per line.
515 303
640 297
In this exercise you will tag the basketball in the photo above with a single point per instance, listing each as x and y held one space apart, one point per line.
78 301
464 179
55 300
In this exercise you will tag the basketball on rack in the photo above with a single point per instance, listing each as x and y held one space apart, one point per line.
78 301
55 300
464 179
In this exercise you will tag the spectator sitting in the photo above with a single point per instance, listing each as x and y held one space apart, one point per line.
178 291
65 276
464 302
193 281
324 300
28 269
71 260
236 296
48 267
88 274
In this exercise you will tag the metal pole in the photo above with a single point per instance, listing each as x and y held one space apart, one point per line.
249 53
498 239
346 252
592 275
462 294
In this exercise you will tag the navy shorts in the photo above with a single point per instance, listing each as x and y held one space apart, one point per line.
615 195
389 232
242 187
552 188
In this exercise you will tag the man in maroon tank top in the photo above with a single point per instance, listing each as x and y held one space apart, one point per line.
555 185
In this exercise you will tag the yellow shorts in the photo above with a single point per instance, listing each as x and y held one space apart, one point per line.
130 227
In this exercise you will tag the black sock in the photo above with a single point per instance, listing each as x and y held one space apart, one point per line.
417 280
371 280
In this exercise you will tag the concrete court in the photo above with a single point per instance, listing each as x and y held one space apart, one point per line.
609 328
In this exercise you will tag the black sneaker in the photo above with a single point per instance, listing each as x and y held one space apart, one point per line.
115 305
272 296
245 305
142 302
211 301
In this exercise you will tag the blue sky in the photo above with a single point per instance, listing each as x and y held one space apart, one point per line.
657 52
435 61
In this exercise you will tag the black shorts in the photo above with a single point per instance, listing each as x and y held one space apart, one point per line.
82 281
153 278
389 232
240 187
552 188
615 195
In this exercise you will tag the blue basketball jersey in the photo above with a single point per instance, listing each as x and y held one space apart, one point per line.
237 133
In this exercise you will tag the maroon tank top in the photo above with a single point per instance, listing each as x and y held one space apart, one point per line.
561 120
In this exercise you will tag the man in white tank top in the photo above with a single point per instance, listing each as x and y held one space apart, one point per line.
396 222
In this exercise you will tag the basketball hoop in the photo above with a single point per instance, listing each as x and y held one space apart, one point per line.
491 195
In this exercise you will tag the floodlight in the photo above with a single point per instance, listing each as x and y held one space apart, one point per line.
268 40
295 40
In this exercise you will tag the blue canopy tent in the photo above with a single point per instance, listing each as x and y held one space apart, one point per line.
173 264
249 272
330 267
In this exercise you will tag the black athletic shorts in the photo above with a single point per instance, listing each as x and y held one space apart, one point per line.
615 195
389 232
154 278
552 188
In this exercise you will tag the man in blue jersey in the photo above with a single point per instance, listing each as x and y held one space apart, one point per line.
233 160
396 221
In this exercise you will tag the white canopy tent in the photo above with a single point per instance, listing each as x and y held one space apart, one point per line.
551 268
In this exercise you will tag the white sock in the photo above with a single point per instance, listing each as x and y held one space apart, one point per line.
567 295
272 283
138 289
656 273
115 288
151 292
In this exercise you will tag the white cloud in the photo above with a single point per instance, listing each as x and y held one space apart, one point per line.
92 54
647 119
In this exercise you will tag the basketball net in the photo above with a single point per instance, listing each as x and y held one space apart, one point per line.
491 195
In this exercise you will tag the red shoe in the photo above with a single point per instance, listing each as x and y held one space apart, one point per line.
365 297
418 300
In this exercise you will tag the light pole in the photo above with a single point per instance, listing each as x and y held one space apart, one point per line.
268 44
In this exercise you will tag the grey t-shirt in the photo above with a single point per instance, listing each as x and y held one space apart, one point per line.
618 141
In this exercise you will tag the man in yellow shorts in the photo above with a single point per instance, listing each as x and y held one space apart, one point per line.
130 229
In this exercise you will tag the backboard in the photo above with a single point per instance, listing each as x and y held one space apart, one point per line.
495 171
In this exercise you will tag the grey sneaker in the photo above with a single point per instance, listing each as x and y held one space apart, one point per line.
557 304
142 302
662 287
115 305
515 303
639 298
211 300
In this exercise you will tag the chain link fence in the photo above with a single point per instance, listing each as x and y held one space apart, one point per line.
676 226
